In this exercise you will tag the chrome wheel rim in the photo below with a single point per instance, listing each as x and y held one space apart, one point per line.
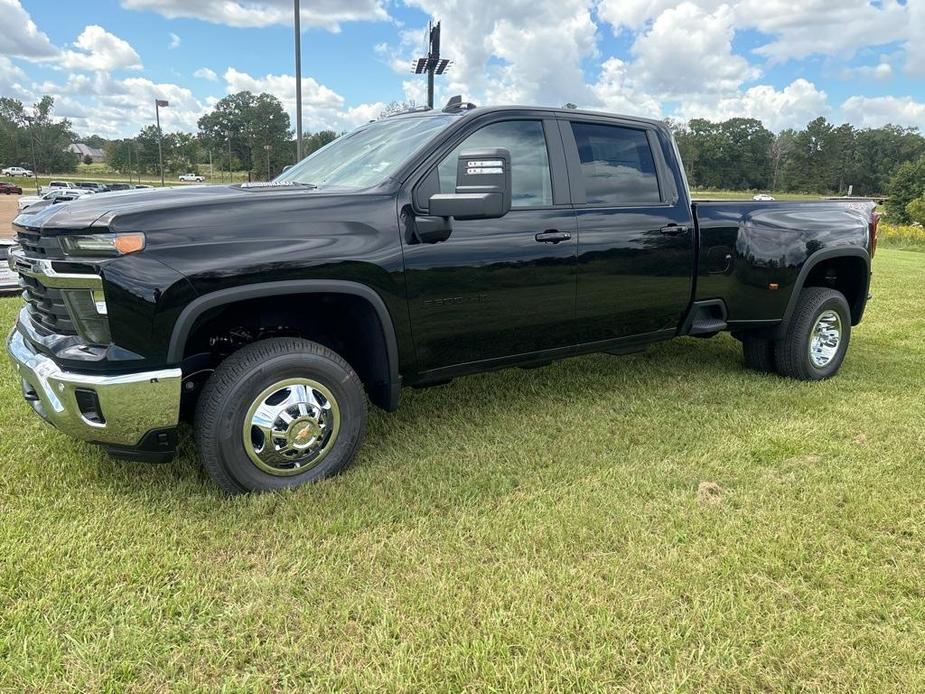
824 339
291 426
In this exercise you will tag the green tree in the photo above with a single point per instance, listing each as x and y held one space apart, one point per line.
312 142
814 160
184 153
916 210
878 152
254 127
95 141
33 134
907 184
51 138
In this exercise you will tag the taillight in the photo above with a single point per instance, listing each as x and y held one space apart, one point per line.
872 232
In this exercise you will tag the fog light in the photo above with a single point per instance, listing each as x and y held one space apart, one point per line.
88 402
84 306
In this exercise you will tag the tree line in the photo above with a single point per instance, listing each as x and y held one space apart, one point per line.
32 138
244 132
742 154
251 132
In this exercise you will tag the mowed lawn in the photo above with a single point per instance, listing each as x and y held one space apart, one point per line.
522 530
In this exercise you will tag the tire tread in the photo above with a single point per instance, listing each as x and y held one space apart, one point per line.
230 372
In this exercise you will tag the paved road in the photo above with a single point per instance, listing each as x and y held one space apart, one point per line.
7 212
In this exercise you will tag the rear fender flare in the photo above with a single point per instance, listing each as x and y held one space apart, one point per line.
811 262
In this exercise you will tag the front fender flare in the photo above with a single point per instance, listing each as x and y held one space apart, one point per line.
187 318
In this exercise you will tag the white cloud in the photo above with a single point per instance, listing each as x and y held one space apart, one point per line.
328 14
882 71
791 107
915 45
12 81
100 50
615 92
175 41
206 74
20 37
524 51
796 30
117 108
874 112
688 50
322 107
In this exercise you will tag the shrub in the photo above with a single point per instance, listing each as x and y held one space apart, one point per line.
907 184
916 210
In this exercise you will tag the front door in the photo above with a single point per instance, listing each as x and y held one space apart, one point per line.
495 288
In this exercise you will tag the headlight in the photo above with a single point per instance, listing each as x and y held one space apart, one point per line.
103 244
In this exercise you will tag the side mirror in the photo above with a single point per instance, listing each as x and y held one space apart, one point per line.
483 186
287 167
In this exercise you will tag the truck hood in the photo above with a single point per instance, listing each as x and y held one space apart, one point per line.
106 211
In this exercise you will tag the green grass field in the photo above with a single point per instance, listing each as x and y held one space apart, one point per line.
653 522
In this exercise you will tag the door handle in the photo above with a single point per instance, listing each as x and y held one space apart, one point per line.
673 229
552 236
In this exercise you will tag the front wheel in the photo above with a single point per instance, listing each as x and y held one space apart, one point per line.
279 413
817 337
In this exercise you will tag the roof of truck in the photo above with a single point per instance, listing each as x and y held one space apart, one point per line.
472 109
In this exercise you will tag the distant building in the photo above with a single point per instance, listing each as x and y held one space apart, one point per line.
82 150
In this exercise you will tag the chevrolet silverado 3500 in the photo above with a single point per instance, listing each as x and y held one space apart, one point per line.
413 250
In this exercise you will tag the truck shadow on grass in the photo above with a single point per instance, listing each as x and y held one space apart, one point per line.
496 421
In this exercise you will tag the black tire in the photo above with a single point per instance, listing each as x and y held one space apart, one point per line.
241 379
758 353
792 353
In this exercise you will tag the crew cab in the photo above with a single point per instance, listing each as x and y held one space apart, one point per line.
191 178
416 249
16 171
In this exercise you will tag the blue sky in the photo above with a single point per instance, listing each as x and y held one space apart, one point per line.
105 60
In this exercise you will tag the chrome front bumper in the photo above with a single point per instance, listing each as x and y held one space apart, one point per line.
129 406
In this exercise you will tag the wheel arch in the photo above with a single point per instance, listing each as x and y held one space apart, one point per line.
854 259
191 314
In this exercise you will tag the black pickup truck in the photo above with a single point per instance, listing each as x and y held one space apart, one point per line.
413 250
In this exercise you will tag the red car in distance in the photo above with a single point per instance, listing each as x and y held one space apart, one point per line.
9 188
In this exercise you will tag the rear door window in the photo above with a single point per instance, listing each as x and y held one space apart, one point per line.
616 164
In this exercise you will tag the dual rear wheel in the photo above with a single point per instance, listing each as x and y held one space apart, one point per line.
814 344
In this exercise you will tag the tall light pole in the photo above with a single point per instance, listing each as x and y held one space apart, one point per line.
158 103
35 169
228 137
432 64
298 81
268 148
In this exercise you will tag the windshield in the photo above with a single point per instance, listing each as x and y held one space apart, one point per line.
368 155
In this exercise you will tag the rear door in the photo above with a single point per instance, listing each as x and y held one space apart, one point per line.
636 232
495 288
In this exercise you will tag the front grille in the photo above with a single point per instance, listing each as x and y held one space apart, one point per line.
37 246
46 307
